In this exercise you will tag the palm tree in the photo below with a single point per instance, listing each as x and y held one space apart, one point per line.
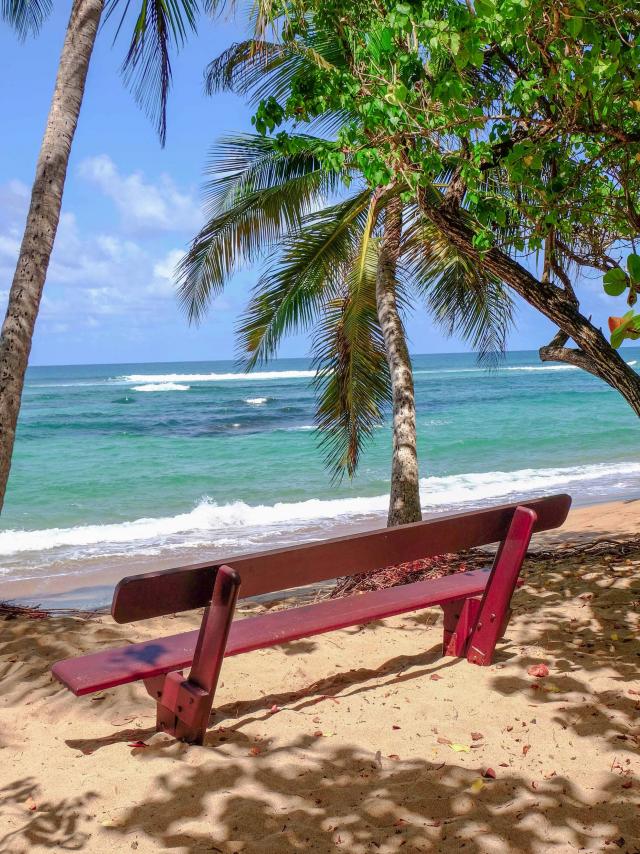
343 263
159 26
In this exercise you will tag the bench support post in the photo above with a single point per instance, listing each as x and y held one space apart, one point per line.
459 620
493 611
184 704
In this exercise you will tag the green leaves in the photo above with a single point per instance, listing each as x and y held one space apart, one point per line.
624 327
633 265
615 282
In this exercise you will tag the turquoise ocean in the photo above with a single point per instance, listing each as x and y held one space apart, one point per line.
121 468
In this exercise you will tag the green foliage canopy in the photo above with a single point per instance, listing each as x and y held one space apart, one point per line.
527 112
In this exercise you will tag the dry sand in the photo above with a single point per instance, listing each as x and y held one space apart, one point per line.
356 758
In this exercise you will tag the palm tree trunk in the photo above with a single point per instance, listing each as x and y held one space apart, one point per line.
404 501
42 221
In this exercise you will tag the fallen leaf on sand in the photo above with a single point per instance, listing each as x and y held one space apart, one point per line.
477 785
460 748
443 740
539 670
477 736
97 697
393 756
434 677
395 726
274 709
31 804
489 774
255 751
137 744
525 749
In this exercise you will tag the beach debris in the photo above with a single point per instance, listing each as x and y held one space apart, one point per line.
525 749
477 736
477 785
137 744
30 804
435 677
123 721
274 709
538 670
489 774
441 565
9 611
255 751
460 748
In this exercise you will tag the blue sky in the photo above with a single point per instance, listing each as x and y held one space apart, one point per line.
130 208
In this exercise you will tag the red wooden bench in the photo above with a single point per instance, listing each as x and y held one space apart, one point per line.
475 605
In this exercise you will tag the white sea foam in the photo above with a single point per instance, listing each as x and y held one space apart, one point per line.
161 387
633 362
214 378
209 520
256 401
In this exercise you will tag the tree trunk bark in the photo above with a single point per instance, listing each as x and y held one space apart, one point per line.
595 353
404 501
42 221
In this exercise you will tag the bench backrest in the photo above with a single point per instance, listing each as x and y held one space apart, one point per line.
155 594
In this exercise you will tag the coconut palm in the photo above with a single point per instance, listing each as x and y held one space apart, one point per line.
158 27
343 263
345 268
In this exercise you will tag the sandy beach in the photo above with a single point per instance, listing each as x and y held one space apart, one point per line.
363 740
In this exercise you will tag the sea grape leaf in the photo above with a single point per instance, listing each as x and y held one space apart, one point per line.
633 265
615 282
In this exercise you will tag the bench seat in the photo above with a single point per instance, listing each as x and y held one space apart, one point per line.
140 661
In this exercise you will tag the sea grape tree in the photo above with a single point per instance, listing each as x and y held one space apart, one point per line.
514 124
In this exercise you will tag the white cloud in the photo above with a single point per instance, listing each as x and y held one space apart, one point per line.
102 282
143 206
164 273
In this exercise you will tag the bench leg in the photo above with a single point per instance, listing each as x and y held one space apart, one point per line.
459 620
493 613
184 704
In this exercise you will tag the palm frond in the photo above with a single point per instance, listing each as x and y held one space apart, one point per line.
292 290
461 296
250 163
160 26
261 197
352 375
261 69
25 16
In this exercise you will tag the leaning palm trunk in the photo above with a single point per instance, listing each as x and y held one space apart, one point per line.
404 501
42 221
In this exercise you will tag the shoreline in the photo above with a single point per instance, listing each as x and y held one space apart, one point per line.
92 592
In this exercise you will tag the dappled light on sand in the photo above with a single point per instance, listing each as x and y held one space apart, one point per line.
363 740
